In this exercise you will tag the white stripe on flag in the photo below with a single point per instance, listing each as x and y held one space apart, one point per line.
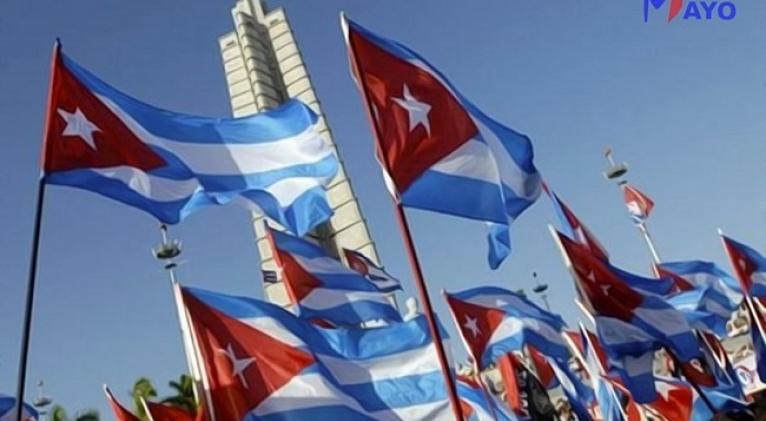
305 391
409 363
307 147
159 189
272 327
668 321
432 411
325 298
471 160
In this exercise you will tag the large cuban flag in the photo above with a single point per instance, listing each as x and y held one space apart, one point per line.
708 296
322 288
493 322
8 410
171 164
749 266
265 364
439 152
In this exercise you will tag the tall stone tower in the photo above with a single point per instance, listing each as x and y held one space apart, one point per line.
264 68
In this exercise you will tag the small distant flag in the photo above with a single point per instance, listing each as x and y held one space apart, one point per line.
573 228
639 205
749 266
376 274
438 151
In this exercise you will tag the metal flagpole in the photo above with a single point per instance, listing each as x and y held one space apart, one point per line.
30 301
35 251
410 247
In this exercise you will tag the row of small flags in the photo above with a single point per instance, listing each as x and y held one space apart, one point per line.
438 152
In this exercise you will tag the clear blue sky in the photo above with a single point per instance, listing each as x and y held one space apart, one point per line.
684 103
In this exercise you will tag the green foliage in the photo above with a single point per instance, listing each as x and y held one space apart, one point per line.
142 388
58 413
184 394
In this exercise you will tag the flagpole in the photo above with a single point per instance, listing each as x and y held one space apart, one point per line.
408 242
428 310
30 300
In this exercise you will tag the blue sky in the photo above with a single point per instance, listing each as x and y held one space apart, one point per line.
684 103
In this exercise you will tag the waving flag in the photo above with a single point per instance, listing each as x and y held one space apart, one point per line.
264 363
526 397
749 266
639 205
573 228
160 412
120 412
493 321
476 406
8 410
171 164
439 152
607 294
323 288
374 273
678 401
543 369
580 396
707 295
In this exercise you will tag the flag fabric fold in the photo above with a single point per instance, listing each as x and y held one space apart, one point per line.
438 151
708 295
749 266
493 321
264 363
573 228
170 164
374 273
323 288
639 205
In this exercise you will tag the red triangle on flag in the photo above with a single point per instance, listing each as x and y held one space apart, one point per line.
244 365
82 132
476 324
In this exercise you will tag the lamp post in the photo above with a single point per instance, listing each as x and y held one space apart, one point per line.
540 289
42 402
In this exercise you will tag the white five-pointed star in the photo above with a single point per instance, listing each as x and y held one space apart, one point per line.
605 289
238 364
470 324
418 110
79 125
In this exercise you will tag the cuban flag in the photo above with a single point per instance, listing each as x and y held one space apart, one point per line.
609 398
438 151
262 362
120 412
162 412
374 273
678 401
478 405
607 295
493 322
708 295
171 164
749 266
571 226
580 396
322 288
639 205
543 370
8 410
